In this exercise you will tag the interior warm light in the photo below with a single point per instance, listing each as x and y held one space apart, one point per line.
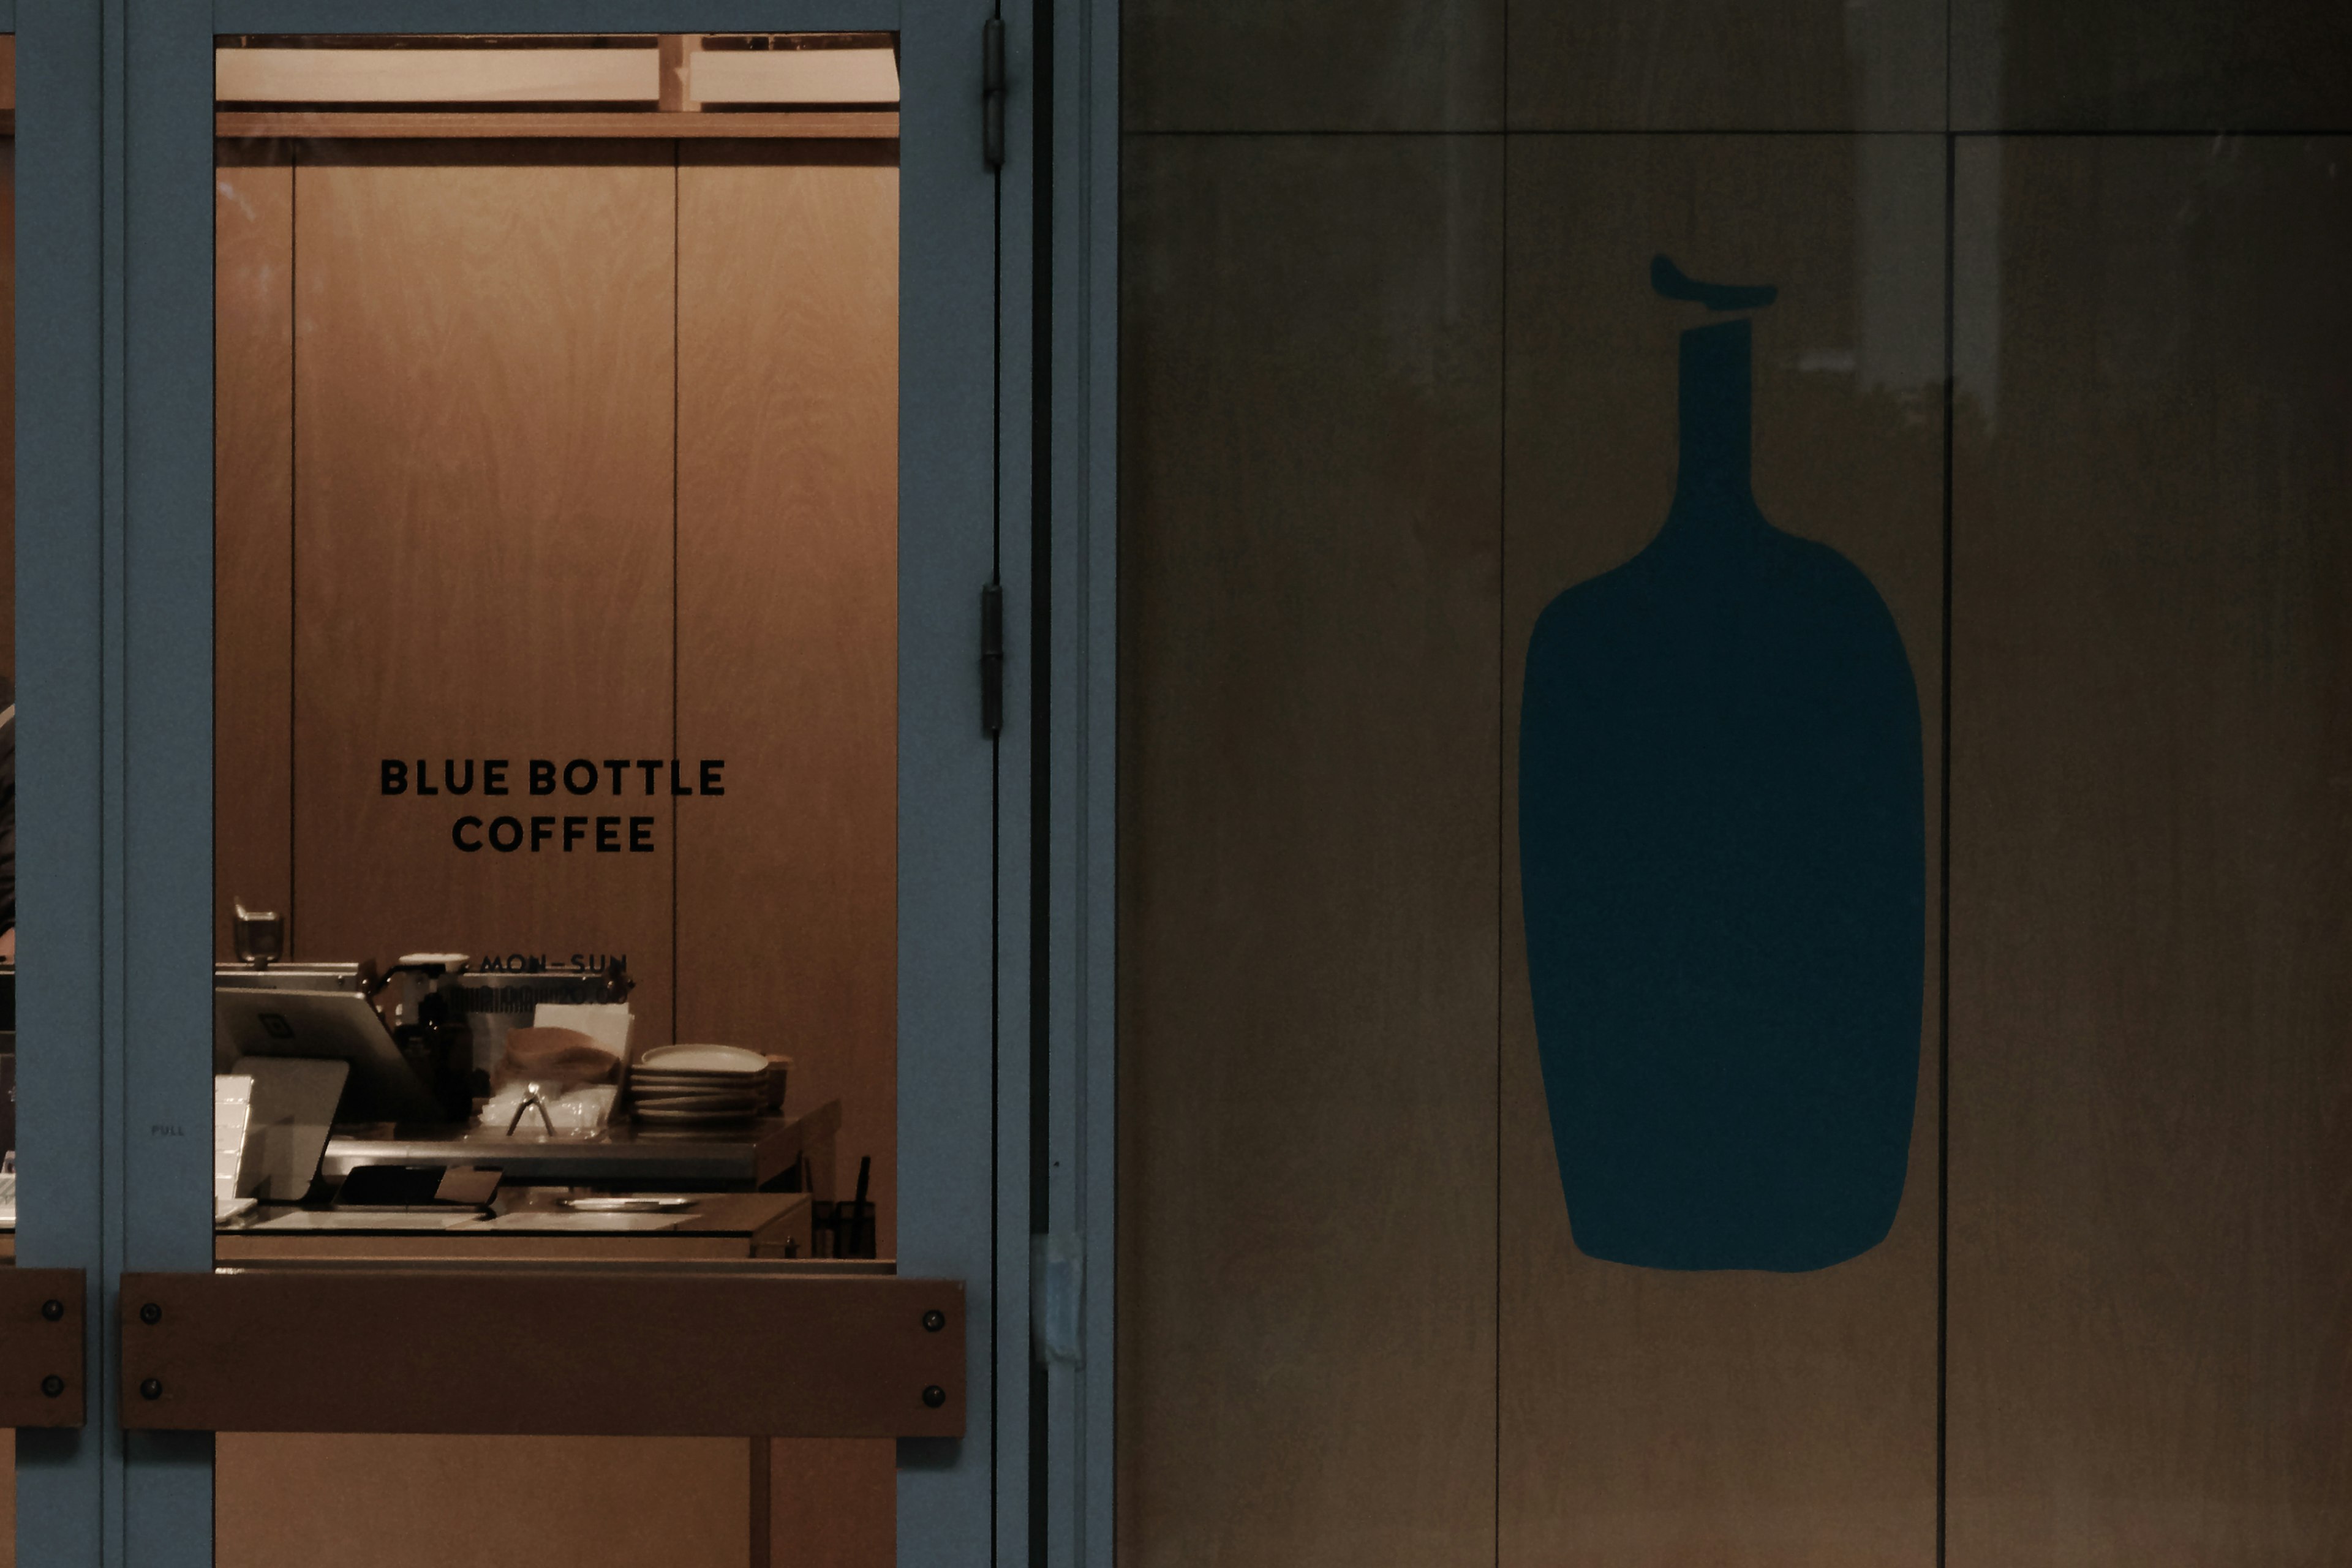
865 76
437 75
627 73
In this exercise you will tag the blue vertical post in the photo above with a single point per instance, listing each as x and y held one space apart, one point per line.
947 809
167 822
65 1479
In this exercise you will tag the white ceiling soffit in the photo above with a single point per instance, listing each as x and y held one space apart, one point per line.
792 75
436 76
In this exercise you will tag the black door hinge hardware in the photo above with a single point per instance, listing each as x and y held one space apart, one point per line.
992 91
992 659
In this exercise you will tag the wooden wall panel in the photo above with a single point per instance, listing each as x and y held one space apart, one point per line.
1308 790
253 535
833 1503
2151 1166
483 539
8 398
1232 65
2187 66
1727 65
787 617
1734 1418
382 1501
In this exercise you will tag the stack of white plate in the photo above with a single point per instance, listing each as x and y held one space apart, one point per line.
697 1086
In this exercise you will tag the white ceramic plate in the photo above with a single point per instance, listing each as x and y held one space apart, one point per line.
696 1079
704 1059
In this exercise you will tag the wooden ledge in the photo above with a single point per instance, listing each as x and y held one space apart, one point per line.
40 1347
641 1353
659 125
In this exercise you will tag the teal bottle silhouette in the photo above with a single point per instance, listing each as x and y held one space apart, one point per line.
1723 862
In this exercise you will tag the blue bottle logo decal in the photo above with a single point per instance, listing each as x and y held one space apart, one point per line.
1722 848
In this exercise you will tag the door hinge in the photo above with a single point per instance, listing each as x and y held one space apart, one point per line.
992 91
1057 1284
992 659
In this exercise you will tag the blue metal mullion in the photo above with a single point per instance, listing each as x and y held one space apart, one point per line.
1079 753
948 431
1016 198
64 1478
165 1117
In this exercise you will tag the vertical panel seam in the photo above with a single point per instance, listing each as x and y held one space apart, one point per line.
1944 909
293 514
1502 719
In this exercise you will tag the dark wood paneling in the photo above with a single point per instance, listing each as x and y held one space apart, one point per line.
1230 64
253 537
833 1503
1651 1416
675 1353
2150 1346
483 539
453 1500
40 1338
787 617
1727 65
2190 65
8 394
1308 787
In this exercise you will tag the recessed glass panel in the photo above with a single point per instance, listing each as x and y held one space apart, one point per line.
556 560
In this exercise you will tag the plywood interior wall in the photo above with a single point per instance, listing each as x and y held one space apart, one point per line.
1731 1417
548 449
2151 1161
1374 417
544 450
1310 631
786 637
8 397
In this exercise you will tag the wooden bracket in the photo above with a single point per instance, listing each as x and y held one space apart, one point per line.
41 1347
558 1350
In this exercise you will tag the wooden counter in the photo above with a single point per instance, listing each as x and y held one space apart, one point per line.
721 1224
287 1500
796 1152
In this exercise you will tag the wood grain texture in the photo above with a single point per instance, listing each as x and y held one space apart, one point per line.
344 74
2189 65
830 125
8 392
2151 1294
1727 65
1231 65
33 1347
253 538
833 1503
787 614
1308 743
483 539
1741 1419
295 1501
669 1353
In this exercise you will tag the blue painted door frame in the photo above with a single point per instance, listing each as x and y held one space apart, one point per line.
114 486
